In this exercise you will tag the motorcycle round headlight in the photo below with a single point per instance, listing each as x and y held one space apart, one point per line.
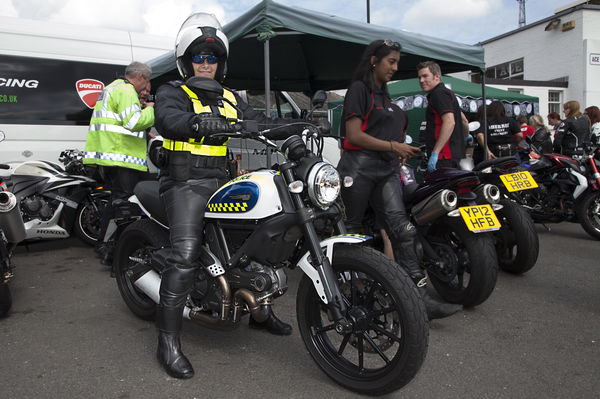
323 184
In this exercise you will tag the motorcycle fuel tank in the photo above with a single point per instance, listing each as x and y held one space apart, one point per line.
250 196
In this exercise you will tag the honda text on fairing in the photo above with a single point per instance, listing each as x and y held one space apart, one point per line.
12 231
55 204
359 314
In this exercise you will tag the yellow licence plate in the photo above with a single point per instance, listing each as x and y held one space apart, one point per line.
518 181
480 218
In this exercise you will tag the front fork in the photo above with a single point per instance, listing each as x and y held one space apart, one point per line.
320 261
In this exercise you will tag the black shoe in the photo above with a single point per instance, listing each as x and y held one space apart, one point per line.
272 325
169 355
436 309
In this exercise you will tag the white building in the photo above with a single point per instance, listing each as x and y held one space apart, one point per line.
556 59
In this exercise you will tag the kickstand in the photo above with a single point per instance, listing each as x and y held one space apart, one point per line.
546 227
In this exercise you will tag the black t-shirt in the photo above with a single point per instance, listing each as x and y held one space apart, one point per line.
501 131
442 100
380 117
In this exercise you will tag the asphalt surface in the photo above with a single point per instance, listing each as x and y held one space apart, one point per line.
70 335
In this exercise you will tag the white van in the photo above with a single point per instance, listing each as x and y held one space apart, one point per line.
50 77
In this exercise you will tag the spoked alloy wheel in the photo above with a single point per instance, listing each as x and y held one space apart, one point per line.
388 340
135 245
89 219
589 214
474 276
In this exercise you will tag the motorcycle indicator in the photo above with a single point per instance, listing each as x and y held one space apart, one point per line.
518 181
480 218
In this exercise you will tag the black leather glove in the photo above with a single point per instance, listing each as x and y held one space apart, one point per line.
208 125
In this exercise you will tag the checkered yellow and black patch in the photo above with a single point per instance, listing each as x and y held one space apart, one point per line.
230 207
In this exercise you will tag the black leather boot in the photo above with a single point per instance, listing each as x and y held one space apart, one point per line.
436 309
169 352
272 325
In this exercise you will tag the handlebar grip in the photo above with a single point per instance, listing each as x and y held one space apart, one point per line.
4 166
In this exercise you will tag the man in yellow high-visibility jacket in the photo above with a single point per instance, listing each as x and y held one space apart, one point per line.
116 140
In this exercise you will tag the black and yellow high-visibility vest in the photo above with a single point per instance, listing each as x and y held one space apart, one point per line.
197 146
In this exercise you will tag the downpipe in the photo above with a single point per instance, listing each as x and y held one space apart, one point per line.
434 207
149 284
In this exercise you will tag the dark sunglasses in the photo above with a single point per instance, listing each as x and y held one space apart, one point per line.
391 43
199 59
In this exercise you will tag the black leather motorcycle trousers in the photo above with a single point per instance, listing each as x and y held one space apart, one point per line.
185 203
377 184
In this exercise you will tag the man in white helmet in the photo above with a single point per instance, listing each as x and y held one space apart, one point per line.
195 168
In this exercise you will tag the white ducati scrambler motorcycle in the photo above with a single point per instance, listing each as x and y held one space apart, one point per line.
359 314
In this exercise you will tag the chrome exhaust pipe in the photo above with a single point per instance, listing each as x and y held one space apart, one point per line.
11 221
489 192
435 206
149 284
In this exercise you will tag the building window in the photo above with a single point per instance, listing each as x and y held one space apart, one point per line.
512 70
554 101
515 90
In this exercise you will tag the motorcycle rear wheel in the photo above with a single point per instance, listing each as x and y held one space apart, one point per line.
517 242
589 214
138 239
476 265
5 300
388 343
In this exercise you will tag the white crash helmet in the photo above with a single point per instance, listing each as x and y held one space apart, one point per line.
201 32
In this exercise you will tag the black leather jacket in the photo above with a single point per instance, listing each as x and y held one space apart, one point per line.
572 133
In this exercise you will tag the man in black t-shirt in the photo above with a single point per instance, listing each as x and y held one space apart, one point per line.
446 124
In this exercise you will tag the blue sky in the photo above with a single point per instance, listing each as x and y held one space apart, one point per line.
466 21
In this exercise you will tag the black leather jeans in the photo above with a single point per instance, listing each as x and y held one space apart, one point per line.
185 203
377 184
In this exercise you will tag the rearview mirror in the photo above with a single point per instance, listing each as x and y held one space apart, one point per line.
319 99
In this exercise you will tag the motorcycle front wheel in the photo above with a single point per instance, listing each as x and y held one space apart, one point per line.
5 299
389 337
471 265
589 214
89 219
517 242
137 242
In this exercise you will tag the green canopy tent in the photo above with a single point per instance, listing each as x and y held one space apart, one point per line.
410 97
295 49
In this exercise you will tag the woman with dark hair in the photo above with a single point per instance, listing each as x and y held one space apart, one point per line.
554 121
374 130
503 133
594 114
573 131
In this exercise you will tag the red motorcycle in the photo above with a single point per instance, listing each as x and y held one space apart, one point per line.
569 187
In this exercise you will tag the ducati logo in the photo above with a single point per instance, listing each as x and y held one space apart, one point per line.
89 90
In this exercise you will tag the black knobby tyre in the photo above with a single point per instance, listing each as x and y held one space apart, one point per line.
5 299
517 242
477 269
88 220
390 327
588 213
138 240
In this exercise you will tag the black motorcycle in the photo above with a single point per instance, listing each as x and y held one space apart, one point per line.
359 315
12 231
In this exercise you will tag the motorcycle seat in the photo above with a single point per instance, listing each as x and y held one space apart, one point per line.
148 194
510 160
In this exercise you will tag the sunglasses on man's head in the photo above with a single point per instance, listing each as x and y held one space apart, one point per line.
391 43
199 59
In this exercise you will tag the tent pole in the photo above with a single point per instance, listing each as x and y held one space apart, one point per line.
267 93
485 131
